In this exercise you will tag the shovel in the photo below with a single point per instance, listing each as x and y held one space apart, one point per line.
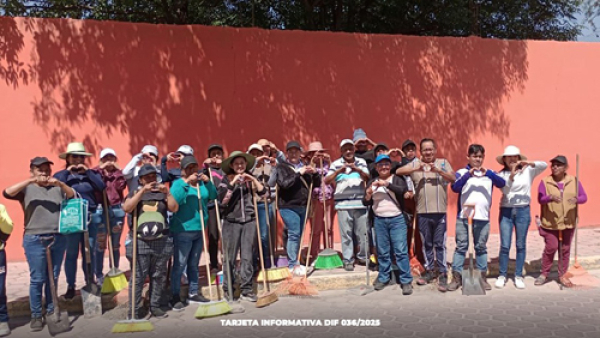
91 292
58 322
472 284
365 289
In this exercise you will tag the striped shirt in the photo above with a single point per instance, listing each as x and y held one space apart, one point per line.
349 187
431 189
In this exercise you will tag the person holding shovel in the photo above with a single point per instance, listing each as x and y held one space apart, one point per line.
148 206
115 185
89 185
6 228
558 194
514 209
188 229
235 196
213 162
474 186
41 196
386 196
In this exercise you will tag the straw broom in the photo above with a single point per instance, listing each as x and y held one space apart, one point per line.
133 325
212 308
328 258
115 280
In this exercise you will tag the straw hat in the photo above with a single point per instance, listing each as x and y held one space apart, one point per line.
315 146
249 161
74 148
511 151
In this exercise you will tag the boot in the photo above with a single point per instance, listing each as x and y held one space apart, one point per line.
486 285
456 281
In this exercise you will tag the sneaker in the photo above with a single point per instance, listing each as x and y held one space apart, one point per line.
378 286
500 282
176 304
425 278
519 283
249 297
442 283
158 313
36 324
4 329
348 266
70 293
196 299
407 289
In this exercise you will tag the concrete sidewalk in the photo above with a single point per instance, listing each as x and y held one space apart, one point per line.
588 252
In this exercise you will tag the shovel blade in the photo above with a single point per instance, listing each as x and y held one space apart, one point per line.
472 284
58 323
92 301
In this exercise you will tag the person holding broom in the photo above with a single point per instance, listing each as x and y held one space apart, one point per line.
386 196
212 168
149 205
235 197
558 194
187 228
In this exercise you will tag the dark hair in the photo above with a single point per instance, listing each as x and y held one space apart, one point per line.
476 148
427 140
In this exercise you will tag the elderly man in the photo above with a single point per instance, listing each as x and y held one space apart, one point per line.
350 174
361 144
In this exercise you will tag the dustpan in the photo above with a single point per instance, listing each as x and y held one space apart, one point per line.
472 284
58 322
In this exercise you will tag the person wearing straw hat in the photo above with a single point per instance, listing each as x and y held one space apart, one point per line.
170 175
88 184
515 212
187 228
316 155
212 167
149 203
41 196
262 170
115 185
235 196
558 194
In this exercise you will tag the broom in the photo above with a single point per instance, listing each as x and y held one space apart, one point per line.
577 269
115 280
212 308
275 273
133 325
327 259
267 297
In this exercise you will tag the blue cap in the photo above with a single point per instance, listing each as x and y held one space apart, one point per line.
358 134
382 157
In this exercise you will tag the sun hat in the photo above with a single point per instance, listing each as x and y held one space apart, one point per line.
74 148
358 135
315 146
511 151
249 161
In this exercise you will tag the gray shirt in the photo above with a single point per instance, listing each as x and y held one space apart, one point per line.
41 206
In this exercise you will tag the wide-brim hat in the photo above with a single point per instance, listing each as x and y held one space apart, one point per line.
74 148
249 161
511 151
315 146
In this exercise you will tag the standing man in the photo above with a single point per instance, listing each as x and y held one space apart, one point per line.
350 174
431 177
474 186
361 144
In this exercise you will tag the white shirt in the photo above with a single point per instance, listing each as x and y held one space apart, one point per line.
517 193
477 191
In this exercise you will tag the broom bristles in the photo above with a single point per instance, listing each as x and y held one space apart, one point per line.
303 289
266 299
328 262
212 309
274 274
135 325
114 283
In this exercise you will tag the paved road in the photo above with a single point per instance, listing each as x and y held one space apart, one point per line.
535 312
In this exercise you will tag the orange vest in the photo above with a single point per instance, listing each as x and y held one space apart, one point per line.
560 215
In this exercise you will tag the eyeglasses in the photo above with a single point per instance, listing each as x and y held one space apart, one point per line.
384 164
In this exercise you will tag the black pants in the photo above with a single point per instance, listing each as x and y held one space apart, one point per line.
238 237
213 238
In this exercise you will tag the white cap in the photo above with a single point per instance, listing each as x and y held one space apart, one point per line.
150 149
186 150
107 151
346 141
255 146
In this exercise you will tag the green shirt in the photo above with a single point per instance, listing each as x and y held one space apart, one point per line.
187 218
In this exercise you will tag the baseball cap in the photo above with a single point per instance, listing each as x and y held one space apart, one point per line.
107 151
38 161
255 146
147 169
150 149
359 134
560 159
187 161
346 141
380 145
407 143
214 146
293 144
185 150
382 157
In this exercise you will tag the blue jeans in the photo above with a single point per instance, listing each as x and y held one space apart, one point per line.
392 230
264 231
3 271
481 232
518 218
35 252
186 256
293 218
116 218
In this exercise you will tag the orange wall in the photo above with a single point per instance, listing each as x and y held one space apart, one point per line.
124 85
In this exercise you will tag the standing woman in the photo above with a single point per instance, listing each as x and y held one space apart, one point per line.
88 184
514 209
558 194
186 227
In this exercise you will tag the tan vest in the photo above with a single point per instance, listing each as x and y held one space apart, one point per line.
560 215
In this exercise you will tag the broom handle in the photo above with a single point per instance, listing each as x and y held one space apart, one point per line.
576 205
260 251
224 248
134 264
276 218
204 247
108 233
325 216
303 230
312 235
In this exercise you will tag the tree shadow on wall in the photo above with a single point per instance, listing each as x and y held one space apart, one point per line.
170 85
